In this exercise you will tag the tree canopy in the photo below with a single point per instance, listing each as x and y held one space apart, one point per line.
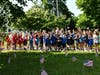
62 7
9 12
45 15
37 18
91 8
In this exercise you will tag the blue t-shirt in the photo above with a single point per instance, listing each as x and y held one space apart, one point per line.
64 40
53 39
31 39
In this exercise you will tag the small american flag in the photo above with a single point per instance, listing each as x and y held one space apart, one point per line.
66 54
42 60
96 54
9 60
74 58
14 55
44 72
88 63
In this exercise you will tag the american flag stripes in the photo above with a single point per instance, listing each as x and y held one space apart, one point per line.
88 63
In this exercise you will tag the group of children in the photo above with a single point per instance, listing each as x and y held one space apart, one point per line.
57 39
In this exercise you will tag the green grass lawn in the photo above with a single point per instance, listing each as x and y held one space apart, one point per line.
56 63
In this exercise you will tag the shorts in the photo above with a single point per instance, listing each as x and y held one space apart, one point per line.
90 42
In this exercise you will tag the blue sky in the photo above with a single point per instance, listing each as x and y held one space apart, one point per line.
70 3
73 8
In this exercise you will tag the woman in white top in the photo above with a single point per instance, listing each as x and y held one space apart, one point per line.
96 41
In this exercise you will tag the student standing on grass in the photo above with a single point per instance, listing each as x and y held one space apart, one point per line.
96 41
68 39
25 41
20 40
85 40
15 40
77 36
73 41
90 40
11 39
37 41
0 42
47 41
31 41
44 36
80 39
58 42
99 39
41 40
63 41
7 41
53 41
61 38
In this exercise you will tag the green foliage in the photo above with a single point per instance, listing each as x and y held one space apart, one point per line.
91 8
62 7
83 22
38 18
9 12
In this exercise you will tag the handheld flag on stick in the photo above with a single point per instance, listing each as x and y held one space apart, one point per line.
74 58
42 60
14 55
66 54
88 63
96 54
44 72
9 60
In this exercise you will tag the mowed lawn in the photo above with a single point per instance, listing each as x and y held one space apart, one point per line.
56 63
